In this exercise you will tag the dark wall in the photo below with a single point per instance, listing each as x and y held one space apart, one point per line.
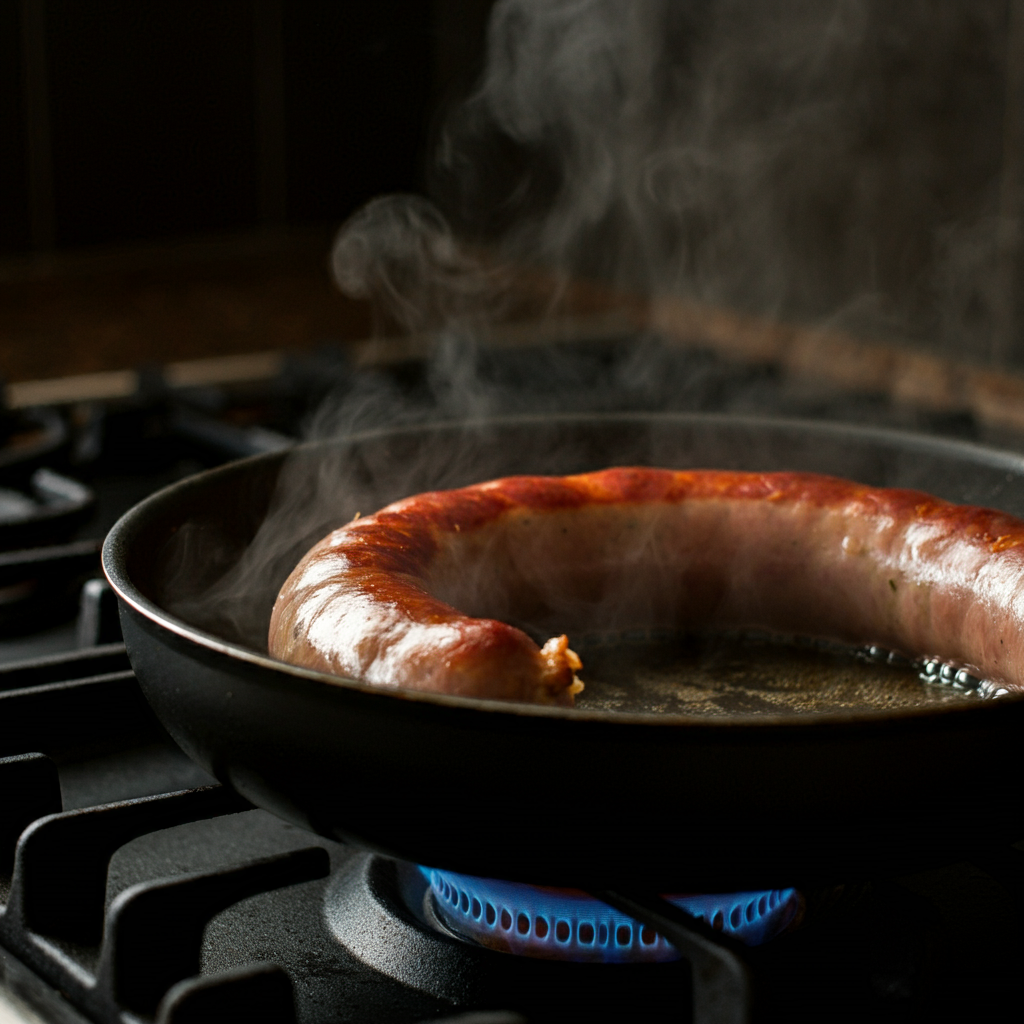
181 117
14 228
152 117
359 80
127 120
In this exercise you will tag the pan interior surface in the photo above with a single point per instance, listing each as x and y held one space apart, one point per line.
743 673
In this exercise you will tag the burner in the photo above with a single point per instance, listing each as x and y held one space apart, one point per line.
28 437
46 510
566 924
380 910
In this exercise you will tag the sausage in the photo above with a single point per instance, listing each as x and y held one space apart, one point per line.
424 593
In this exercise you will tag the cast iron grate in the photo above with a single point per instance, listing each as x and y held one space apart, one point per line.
137 959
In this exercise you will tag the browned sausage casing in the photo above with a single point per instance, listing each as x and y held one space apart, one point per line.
420 594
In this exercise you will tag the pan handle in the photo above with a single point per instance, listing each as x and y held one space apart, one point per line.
721 981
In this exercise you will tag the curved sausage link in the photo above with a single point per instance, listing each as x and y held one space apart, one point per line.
376 600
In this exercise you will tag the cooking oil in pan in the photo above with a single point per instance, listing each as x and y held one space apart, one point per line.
729 674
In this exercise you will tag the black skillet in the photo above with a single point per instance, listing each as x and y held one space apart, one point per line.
581 797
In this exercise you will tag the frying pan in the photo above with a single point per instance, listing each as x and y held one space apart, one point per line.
575 797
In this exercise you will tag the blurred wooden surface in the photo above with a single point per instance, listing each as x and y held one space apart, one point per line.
77 326
113 309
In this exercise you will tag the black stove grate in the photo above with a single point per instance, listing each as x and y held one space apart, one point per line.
136 889
136 956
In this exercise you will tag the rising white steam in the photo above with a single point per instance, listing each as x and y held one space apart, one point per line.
778 157
807 159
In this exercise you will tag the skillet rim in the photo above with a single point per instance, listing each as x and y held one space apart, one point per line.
118 542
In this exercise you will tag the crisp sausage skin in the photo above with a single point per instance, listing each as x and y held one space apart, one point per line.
421 594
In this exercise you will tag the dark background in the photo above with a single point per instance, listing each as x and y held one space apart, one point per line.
123 120
233 125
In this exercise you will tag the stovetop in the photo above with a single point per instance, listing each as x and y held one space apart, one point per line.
142 890
208 902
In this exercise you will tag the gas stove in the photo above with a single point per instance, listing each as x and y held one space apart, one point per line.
136 888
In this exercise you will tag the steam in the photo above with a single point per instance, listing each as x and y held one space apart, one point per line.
716 150
399 252
826 161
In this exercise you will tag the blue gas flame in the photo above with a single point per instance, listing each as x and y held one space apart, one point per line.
566 924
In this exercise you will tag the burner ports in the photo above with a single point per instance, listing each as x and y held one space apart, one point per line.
382 912
566 924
